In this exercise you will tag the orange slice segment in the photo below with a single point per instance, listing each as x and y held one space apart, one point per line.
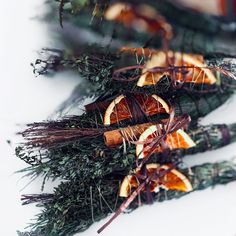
175 140
142 18
119 108
196 73
121 12
171 180
175 180
128 183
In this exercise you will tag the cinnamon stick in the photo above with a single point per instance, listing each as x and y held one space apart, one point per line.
100 106
131 133
115 137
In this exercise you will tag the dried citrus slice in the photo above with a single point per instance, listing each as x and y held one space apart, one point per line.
171 180
128 183
196 73
142 18
174 180
175 140
121 12
119 108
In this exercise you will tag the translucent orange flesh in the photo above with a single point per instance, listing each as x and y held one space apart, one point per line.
188 75
149 105
167 179
172 141
173 182
130 18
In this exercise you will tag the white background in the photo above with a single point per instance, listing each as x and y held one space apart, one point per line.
24 98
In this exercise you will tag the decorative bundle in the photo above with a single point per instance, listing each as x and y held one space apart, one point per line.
143 22
75 205
141 71
162 69
105 153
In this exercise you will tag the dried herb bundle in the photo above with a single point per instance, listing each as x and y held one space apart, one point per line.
168 8
73 148
91 158
192 33
99 69
195 106
75 205
69 151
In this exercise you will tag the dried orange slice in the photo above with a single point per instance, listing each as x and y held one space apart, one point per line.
142 18
175 140
128 183
119 108
171 180
121 12
196 74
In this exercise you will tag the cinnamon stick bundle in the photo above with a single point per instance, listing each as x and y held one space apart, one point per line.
116 137
131 133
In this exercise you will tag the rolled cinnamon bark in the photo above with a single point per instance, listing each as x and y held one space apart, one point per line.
101 106
115 137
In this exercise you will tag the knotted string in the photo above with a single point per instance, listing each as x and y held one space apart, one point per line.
173 124
145 182
142 175
225 132
171 69
160 69
136 110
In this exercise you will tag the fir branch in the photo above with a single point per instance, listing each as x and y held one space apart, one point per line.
69 210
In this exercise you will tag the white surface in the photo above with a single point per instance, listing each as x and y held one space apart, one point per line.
24 98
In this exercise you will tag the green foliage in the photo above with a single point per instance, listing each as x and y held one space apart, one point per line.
97 66
75 205
92 172
192 32
77 5
91 159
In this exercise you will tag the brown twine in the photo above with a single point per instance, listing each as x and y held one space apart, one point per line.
225 132
173 124
142 176
145 182
137 112
171 69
